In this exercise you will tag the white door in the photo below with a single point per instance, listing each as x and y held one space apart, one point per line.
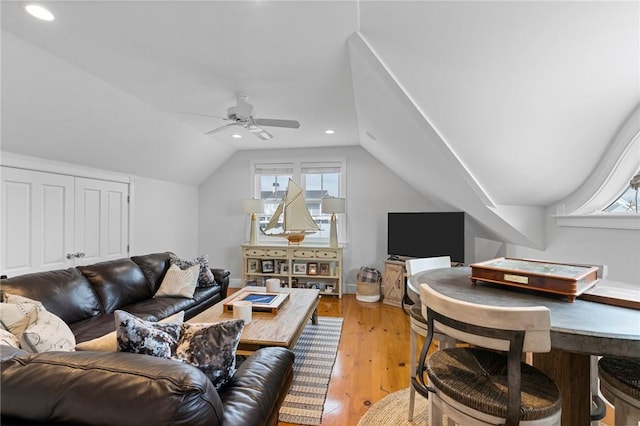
101 220
37 221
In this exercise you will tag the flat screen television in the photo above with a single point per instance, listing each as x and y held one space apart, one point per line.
426 234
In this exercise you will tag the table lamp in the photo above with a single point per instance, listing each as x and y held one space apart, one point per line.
333 205
253 206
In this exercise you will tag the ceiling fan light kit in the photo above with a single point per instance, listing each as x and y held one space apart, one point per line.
242 115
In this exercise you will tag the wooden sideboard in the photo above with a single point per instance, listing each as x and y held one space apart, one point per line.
296 266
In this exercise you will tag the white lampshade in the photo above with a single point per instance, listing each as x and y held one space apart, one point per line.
333 205
253 205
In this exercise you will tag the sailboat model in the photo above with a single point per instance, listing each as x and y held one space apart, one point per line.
297 221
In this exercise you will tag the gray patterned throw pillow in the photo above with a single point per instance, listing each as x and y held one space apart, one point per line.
145 337
205 279
211 348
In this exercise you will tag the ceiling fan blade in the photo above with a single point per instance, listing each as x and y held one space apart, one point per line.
219 129
263 134
291 124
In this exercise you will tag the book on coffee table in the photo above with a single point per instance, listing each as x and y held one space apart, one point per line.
260 301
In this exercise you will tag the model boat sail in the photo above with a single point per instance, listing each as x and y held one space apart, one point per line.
296 222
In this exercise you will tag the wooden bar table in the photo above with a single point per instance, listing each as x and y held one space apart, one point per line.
578 330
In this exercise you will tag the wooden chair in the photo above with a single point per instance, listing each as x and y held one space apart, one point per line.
476 386
418 322
620 384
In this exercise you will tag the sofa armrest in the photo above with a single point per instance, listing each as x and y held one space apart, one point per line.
114 387
222 277
257 390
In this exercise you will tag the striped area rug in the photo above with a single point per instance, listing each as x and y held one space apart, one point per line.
316 352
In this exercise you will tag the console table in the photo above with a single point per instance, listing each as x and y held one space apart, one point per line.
300 266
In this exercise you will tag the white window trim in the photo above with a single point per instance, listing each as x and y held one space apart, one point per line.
604 221
619 163
297 164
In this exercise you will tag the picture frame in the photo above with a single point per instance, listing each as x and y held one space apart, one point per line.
253 266
267 266
277 263
325 269
300 268
284 268
312 268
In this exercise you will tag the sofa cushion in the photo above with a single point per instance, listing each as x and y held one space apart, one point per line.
117 283
179 282
205 278
145 337
45 331
211 348
65 293
155 309
106 387
153 266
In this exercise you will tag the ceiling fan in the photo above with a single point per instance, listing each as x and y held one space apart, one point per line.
242 115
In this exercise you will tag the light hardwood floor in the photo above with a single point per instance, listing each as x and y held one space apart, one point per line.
372 361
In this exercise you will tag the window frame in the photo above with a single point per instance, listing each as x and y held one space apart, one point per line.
297 168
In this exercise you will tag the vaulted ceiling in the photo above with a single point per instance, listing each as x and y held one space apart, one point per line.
496 108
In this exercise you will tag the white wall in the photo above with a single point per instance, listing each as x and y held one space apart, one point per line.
619 249
164 218
372 191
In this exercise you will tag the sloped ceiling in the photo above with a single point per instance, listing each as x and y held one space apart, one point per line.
496 108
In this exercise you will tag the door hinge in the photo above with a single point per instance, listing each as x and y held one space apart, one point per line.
128 199
127 248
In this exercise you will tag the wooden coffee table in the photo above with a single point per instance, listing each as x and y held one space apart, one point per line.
282 328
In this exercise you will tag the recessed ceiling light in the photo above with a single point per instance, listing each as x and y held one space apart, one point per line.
39 12
236 136
329 131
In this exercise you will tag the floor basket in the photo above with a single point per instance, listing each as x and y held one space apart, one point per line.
368 292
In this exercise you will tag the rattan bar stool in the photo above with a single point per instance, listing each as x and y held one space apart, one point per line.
418 322
620 384
476 386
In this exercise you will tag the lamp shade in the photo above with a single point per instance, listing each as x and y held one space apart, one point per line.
333 205
253 205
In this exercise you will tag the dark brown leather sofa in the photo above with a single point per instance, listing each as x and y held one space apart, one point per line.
102 388
85 297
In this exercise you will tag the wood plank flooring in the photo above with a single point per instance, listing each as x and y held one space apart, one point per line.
372 361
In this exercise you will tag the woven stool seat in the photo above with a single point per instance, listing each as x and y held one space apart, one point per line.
416 314
622 373
477 378
620 385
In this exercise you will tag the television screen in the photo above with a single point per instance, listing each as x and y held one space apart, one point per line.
426 234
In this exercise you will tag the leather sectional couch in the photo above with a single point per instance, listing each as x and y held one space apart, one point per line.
85 387
85 297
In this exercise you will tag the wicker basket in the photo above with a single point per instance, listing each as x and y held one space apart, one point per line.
368 292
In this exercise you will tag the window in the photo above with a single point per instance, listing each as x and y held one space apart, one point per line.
317 179
628 201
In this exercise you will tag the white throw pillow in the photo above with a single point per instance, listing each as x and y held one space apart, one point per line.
109 342
6 338
178 282
16 317
45 332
